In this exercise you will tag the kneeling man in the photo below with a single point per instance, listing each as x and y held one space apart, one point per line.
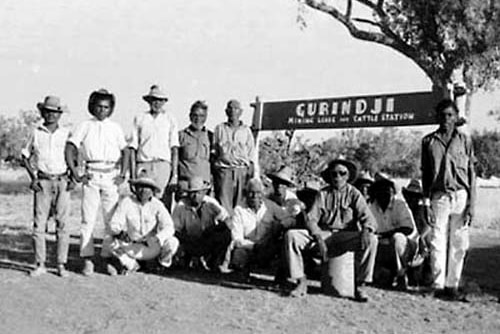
200 225
142 228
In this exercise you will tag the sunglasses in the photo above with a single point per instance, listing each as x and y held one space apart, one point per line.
339 173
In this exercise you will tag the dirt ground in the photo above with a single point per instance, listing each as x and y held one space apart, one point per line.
192 302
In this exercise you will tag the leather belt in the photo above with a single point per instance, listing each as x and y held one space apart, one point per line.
51 177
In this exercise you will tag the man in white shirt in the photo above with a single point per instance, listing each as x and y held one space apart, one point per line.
142 228
395 229
102 145
155 143
43 158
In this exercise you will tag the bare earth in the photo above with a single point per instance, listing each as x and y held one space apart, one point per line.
190 302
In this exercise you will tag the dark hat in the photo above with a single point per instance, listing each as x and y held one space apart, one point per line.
381 186
52 103
353 170
364 177
145 182
283 176
155 93
414 187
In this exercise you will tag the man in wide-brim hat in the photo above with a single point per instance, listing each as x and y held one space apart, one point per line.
340 222
142 228
200 225
283 184
363 183
154 144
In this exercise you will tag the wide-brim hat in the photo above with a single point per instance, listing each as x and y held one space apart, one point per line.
155 93
145 182
196 184
284 176
415 187
52 103
351 166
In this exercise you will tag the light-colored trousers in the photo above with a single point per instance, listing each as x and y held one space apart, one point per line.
160 171
298 241
449 239
129 252
101 191
52 191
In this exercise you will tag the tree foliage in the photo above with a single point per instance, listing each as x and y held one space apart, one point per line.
13 134
487 151
440 36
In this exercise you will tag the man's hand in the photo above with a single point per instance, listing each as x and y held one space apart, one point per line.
119 179
84 179
71 184
469 213
323 249
365 238
152 241
430 216
35 185
123 236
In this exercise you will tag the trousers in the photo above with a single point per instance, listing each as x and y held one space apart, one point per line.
129 252
228 185
160 171
53 191
449 238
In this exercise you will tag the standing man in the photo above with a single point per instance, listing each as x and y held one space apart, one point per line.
102 144
448 181
235 157
43 158
341 221
154 145
195 145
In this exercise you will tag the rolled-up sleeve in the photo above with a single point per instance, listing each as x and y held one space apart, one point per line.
238 231
134 135
27 150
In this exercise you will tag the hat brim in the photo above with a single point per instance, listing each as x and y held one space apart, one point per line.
149 98
279 179
412 191
41 106
353 170
142 183
197 189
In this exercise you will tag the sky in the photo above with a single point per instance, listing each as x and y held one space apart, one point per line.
211 50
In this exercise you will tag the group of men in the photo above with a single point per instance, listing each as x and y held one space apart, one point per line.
172 217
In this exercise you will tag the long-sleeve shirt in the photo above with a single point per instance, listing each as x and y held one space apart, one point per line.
447 166
249 227
340 209
141 221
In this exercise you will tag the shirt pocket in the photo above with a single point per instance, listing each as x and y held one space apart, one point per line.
346 214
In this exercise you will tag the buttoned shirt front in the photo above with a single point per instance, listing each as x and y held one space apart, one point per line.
340 209
47 149
249 227
193 221
397 215
194 153
99 141
141 221
446 167
154 136
234 146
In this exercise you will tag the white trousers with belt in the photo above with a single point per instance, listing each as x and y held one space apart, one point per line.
449 239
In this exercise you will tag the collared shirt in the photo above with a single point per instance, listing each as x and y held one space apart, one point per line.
193 221
47 149
447 166
249 227
396 215
343 209
100 141
194 153
234 146
154 137
142 221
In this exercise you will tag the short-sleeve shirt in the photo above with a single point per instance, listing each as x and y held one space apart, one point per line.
140 221
154 137
47 149
193 222
99 141
194 153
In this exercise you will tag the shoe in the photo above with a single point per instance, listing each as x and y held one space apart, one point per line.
127 271
453 294
300 291
88 268
111 270
402 283
360 296
39 270
61 271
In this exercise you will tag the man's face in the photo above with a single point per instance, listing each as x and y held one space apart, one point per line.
279 189
198 118
50 116
339 175
384 198
196 197
447 118
102 109
363 188
144 194
156 105
233 113
254 198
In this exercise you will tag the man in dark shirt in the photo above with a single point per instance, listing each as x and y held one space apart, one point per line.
448 182
341 221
